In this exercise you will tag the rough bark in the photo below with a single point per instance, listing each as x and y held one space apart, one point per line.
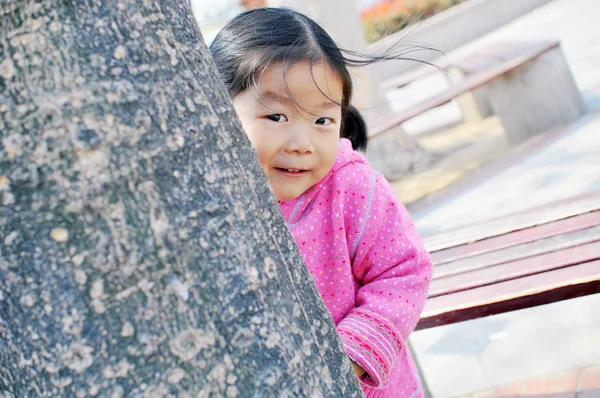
141 250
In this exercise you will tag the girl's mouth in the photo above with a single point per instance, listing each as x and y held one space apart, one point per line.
291 172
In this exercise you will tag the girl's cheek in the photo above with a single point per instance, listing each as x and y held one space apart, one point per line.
262 155
253 134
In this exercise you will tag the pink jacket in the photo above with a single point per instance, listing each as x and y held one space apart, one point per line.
369 265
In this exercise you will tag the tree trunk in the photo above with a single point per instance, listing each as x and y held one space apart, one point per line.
142 252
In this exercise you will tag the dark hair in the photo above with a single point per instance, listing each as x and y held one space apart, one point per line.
259 38
355 129
256 39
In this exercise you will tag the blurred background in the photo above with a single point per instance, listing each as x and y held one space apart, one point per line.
504 126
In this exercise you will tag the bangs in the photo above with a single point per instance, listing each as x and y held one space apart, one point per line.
255 65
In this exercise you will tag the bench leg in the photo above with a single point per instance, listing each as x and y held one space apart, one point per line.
394 154
473 105
536 97
426 391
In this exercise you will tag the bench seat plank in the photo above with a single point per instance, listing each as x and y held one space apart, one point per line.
527 235
496 53
519 252
543 288
516 269
531 217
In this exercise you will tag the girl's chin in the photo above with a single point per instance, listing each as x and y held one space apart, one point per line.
285 195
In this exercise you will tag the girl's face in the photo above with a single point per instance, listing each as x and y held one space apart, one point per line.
296 141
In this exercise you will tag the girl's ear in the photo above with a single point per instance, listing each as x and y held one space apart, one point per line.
354 128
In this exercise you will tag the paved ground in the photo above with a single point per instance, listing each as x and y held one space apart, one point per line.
501 350
567 167
459 151
577 383
487 355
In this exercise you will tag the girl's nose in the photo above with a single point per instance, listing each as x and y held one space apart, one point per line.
299 140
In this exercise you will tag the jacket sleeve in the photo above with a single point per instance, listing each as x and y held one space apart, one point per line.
393 271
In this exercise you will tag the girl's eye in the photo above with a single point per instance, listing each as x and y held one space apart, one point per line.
277 117
324 121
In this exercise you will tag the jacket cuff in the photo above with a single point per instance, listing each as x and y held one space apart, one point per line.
371 341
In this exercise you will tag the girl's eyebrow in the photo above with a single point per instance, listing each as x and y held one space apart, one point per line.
274 97
329 104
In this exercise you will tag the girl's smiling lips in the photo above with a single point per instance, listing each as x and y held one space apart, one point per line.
291 172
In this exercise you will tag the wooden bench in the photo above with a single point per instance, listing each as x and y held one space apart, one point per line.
407 78
516 77
540 256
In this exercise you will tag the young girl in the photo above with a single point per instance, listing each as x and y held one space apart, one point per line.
291 88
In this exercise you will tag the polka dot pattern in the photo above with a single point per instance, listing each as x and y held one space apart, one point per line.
369 265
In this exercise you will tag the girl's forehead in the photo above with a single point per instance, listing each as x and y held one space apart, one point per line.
301 79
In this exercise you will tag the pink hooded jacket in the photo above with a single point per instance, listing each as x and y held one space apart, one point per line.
369 265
